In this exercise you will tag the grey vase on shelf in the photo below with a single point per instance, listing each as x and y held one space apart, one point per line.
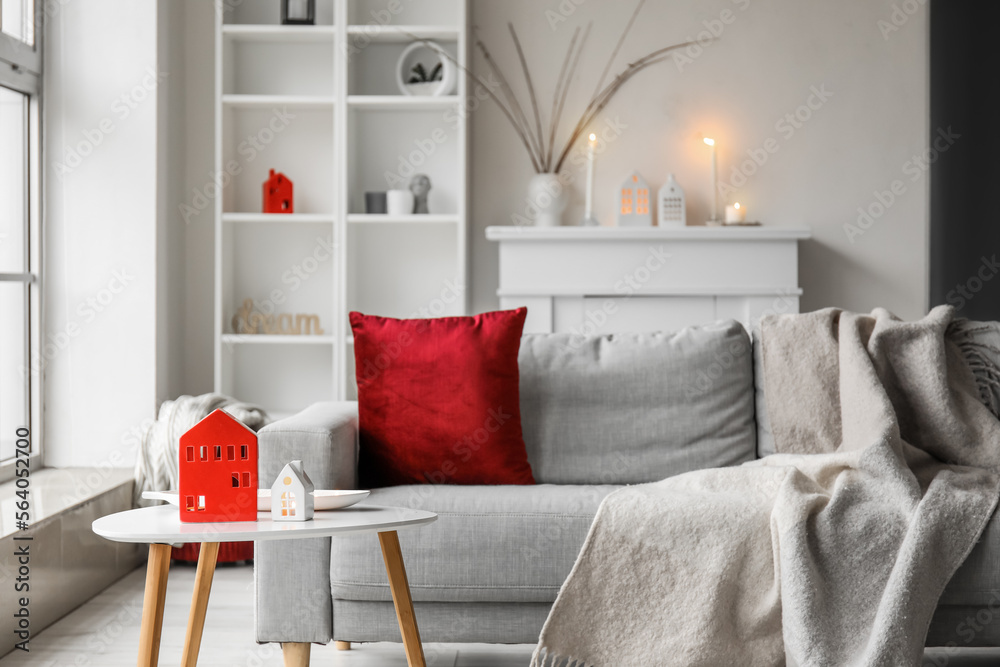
375 203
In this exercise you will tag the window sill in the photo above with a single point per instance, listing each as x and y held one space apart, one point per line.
56 490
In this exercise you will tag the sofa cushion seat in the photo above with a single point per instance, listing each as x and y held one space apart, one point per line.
489 544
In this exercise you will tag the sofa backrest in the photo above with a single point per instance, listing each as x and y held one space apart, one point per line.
633 408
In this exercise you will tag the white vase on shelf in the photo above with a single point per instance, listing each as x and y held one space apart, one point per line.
549 197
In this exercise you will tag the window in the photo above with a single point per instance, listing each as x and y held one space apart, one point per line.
21 360
287 503
231 452
16 20
236 480
244 454
246 480
218 453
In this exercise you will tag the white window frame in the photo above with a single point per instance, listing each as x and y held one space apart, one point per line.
21 71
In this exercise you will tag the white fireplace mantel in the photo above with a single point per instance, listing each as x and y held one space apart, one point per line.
612 279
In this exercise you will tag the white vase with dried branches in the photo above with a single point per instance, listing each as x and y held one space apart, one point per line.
547 191
549 198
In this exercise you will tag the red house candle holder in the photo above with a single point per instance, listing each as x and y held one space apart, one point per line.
278 193
218 471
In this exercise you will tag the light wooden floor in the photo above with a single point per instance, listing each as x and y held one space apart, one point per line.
105 632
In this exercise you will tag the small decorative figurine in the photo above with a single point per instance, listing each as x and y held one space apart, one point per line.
218 471
633 207
420 186
278 193
291 494
672 210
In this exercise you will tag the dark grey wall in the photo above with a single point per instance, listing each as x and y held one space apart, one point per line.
965 215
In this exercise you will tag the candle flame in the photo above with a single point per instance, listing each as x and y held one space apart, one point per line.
709 142
593 137
737 205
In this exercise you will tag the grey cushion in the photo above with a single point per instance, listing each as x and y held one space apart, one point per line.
632 408
489 544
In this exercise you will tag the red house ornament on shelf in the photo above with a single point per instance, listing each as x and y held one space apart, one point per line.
278 194
218 471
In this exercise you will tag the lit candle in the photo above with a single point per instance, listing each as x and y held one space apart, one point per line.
736 214
715 180
588 216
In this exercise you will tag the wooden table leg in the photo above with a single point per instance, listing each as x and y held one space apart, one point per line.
400 587
157 569
199 602
296 654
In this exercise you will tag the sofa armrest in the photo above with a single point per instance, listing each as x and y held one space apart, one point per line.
292 594
324 437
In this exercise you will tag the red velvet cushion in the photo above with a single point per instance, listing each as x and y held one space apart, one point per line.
438 400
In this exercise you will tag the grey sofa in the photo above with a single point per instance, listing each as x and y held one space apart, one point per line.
597 413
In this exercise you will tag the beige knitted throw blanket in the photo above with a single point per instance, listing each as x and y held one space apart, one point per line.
832 552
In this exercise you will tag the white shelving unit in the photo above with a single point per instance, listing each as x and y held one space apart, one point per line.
320 104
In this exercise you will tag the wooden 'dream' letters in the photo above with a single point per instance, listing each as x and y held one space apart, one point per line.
248 320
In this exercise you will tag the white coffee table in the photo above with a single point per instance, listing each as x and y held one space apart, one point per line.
161 527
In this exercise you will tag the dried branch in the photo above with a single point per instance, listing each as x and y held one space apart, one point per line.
541 155
604 97
557 117
540 140
515 105
521 122
618 46
485 86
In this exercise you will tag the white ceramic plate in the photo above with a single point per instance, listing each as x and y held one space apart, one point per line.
322 500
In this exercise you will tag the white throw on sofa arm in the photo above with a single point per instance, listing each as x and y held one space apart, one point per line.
292 578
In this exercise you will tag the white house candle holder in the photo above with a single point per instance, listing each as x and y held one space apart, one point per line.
672 209
633 205
292 494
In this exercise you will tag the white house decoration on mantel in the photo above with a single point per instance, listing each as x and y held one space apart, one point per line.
292 494
633 209
671 207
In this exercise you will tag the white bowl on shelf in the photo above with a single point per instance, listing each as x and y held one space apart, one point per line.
426 52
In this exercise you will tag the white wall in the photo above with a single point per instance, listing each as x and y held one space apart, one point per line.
764 65
101 254
170 154
197 44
